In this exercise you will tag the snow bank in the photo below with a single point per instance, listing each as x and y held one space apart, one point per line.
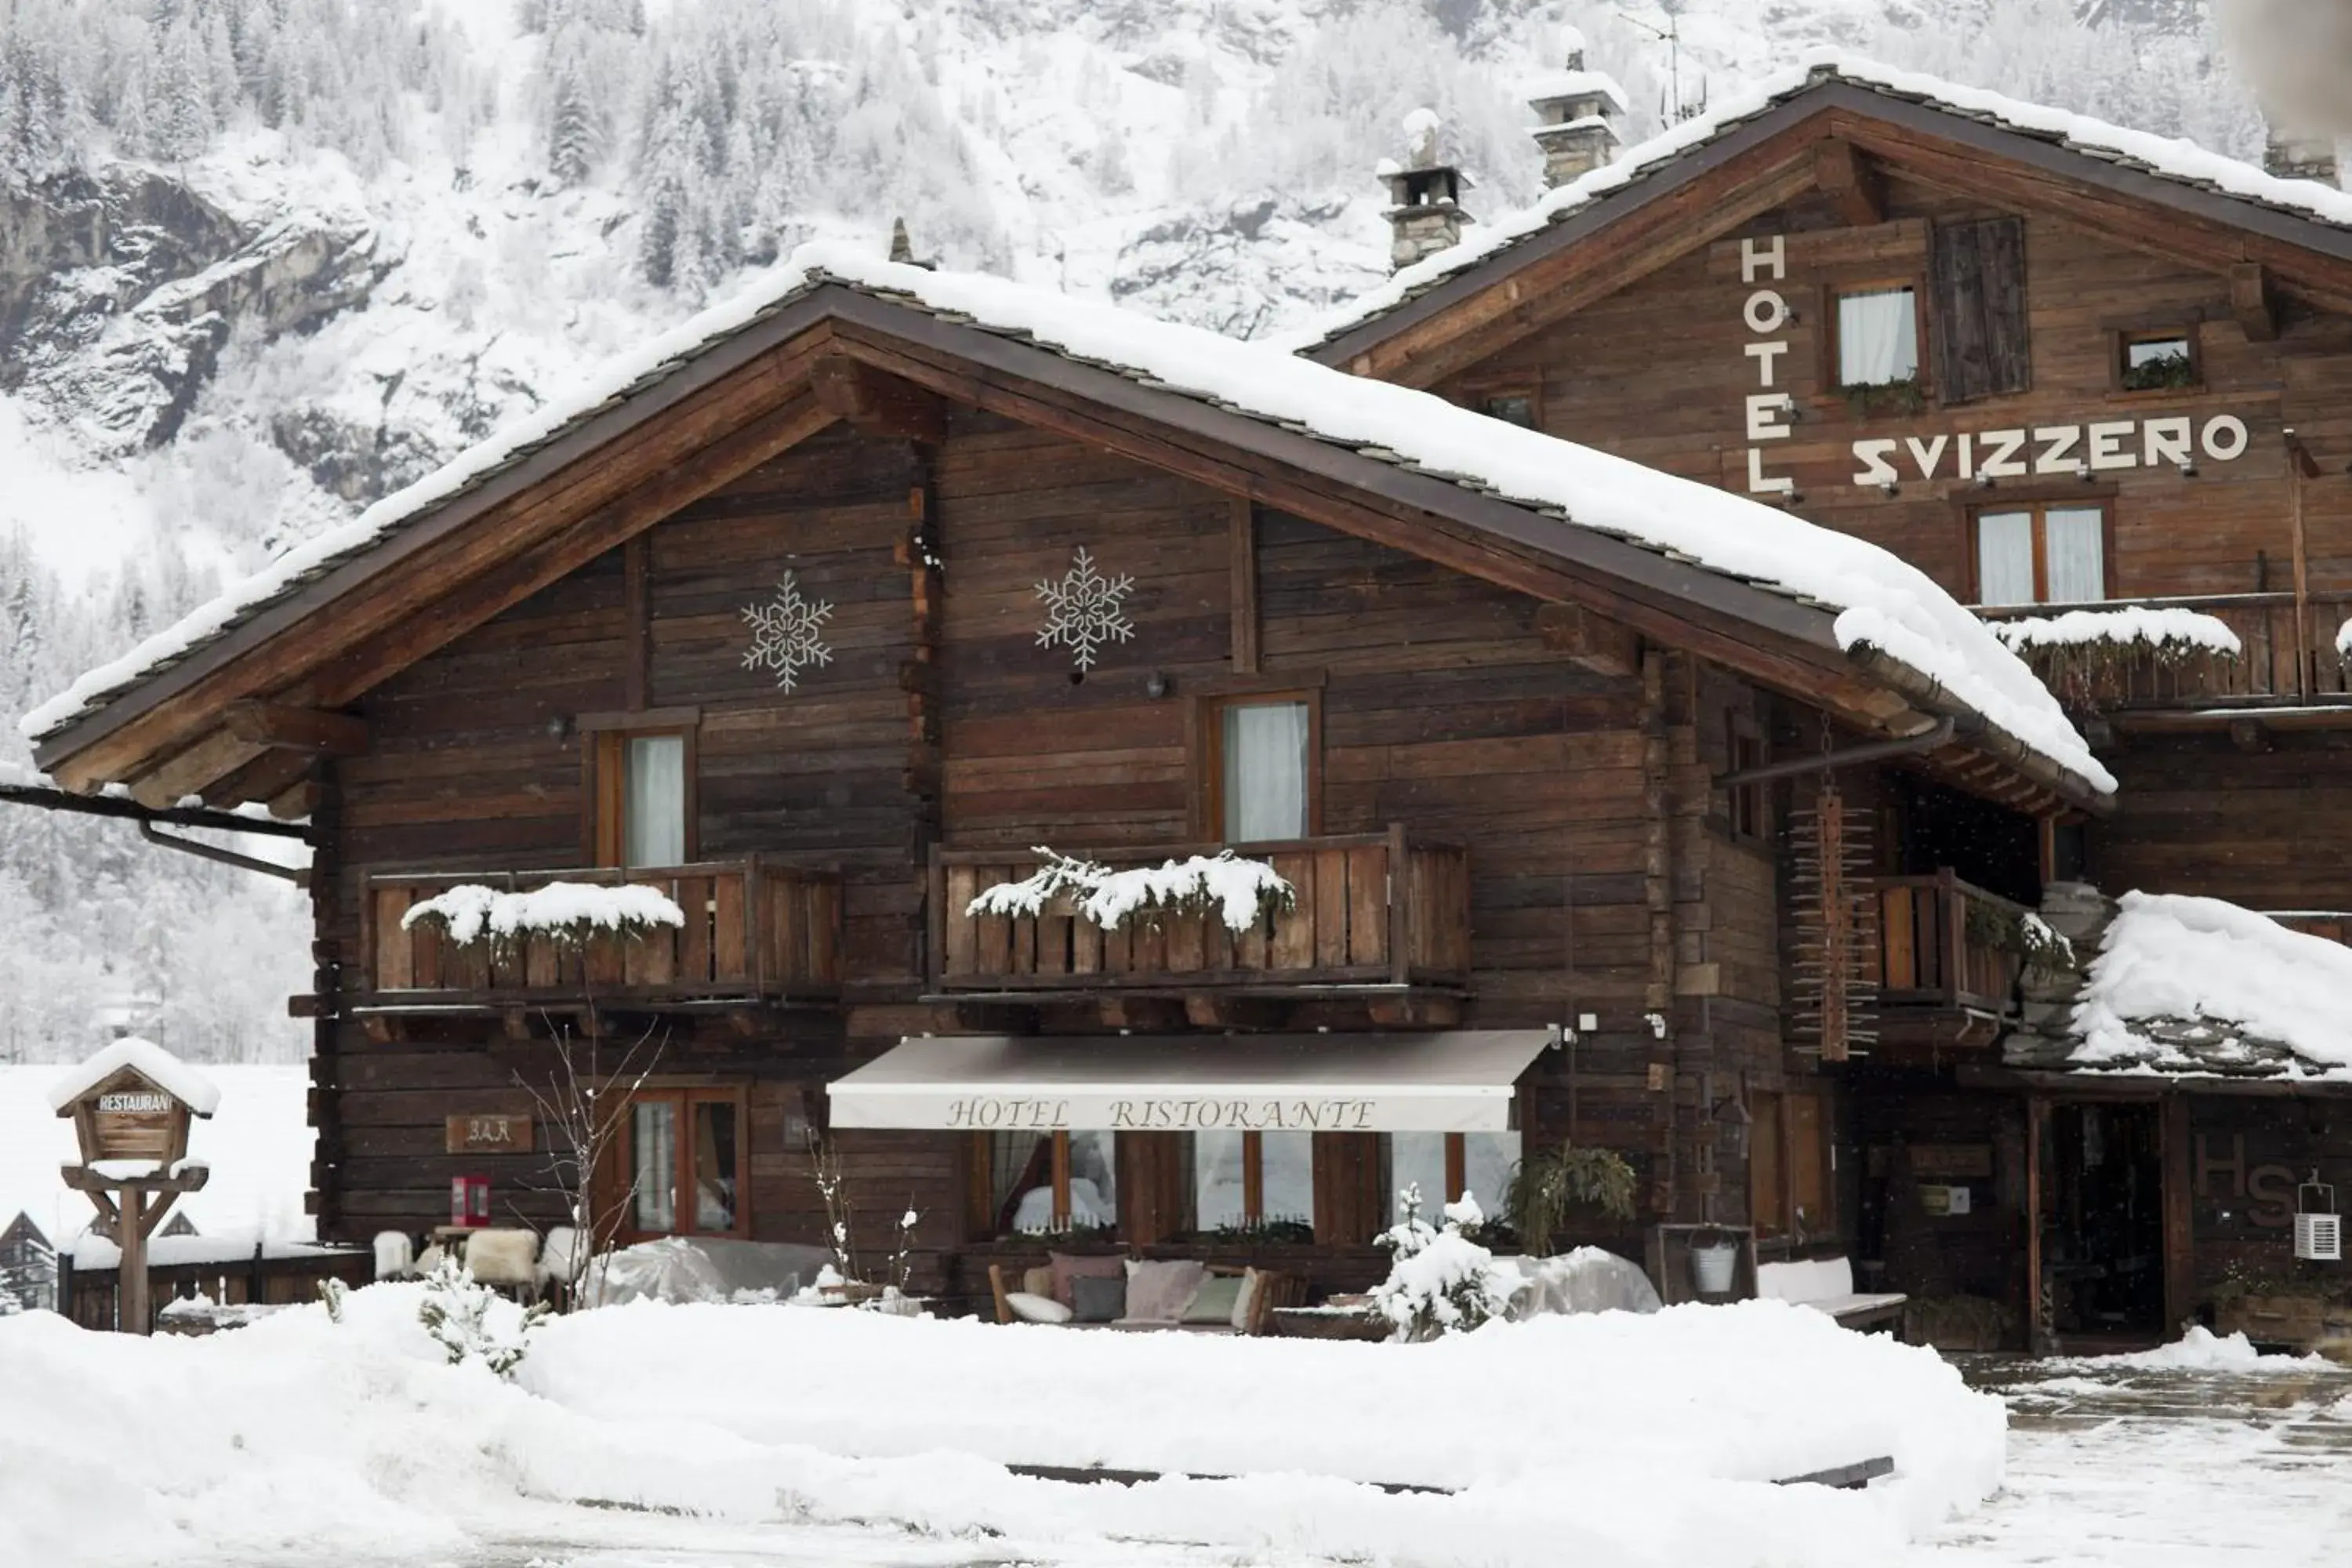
469 910
1886 603
2202 1350
2171 629
1605 1440
160 1067
2169 158
2202 961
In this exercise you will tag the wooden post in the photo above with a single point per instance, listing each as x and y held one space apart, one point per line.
2300 464
1400 911
2037 1120
130 1275
1245 588
2179 1229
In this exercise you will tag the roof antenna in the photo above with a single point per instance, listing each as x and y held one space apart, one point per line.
1672 35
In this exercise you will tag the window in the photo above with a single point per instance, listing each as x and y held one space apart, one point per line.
2152 361
2041 555
1047 1183
1749 805
1511 407
642 784
1444 1165
681 1163
1877 337
1261 770
1255 1181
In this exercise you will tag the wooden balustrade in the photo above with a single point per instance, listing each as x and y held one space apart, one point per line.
1932 954
1369 909
753 931
2288 657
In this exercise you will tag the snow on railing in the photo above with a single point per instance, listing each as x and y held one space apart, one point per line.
569 910
1243 890
2171 632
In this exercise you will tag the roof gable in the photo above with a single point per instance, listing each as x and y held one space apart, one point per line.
1819 612
1705 177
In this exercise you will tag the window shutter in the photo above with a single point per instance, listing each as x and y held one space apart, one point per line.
1977 271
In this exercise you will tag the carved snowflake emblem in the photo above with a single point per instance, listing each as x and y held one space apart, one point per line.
785 633
1085 610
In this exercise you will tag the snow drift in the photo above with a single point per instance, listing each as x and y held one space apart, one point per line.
1610 1440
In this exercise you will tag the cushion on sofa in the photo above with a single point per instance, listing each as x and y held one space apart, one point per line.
1097 1297
1031 1308
1038 1281
1067 1267
1157 1291
1214 1301
1246 1299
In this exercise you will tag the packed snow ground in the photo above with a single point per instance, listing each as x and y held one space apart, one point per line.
258 1141
1607 1439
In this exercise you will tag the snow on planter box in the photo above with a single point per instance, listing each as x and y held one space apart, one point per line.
1602 1440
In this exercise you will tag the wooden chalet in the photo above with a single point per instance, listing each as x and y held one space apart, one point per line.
2059 367
840 605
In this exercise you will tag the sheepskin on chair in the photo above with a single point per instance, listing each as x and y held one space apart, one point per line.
503 1258
395 1255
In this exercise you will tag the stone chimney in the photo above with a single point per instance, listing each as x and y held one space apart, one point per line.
2296 156
1576 112
1425 214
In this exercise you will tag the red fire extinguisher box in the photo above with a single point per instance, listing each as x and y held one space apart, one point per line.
470 1200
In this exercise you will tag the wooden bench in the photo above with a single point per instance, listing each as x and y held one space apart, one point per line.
1826 1285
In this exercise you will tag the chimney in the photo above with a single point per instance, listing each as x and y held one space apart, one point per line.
902 249
1576 113
2299 155
1425 214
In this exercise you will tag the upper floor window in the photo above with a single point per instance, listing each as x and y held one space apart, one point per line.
643 788
2153 361
1878 337
1511 407
2041 554
1262 774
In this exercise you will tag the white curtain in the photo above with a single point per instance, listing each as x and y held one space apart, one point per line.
2078 568
1878 337
1417 1160
1265 771
655 814
653 1149
1216 1180
1288 1176
1488 1159
2005 558
714 1166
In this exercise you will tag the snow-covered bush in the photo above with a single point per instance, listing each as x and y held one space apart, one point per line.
1441 1282
1242 891
474 1323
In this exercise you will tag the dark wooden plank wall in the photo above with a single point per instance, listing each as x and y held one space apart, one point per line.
1657 374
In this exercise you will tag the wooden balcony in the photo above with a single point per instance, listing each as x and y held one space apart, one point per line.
2289 658
754 932
1371 911
1946 944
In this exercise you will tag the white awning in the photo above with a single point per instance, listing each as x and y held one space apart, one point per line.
1458 1082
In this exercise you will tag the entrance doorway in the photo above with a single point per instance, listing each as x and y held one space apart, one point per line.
2102 1220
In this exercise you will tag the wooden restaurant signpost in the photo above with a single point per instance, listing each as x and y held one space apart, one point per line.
130 1106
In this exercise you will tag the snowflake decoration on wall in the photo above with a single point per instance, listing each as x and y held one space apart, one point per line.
1085 610
784 633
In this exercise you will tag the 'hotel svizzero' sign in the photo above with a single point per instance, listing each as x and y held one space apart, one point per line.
2081 449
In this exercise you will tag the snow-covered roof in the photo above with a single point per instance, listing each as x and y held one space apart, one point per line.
2198 986
1878 600
158 1065
2167 158
1574 84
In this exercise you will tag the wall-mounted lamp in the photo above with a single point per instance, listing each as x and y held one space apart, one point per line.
1158 684
559 728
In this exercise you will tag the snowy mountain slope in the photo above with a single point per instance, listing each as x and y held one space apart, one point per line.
264 261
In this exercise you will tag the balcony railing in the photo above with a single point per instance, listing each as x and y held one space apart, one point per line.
1368 910
1943 943
753 931
2289 655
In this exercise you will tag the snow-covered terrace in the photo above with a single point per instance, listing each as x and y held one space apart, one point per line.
1879 603
2171 159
